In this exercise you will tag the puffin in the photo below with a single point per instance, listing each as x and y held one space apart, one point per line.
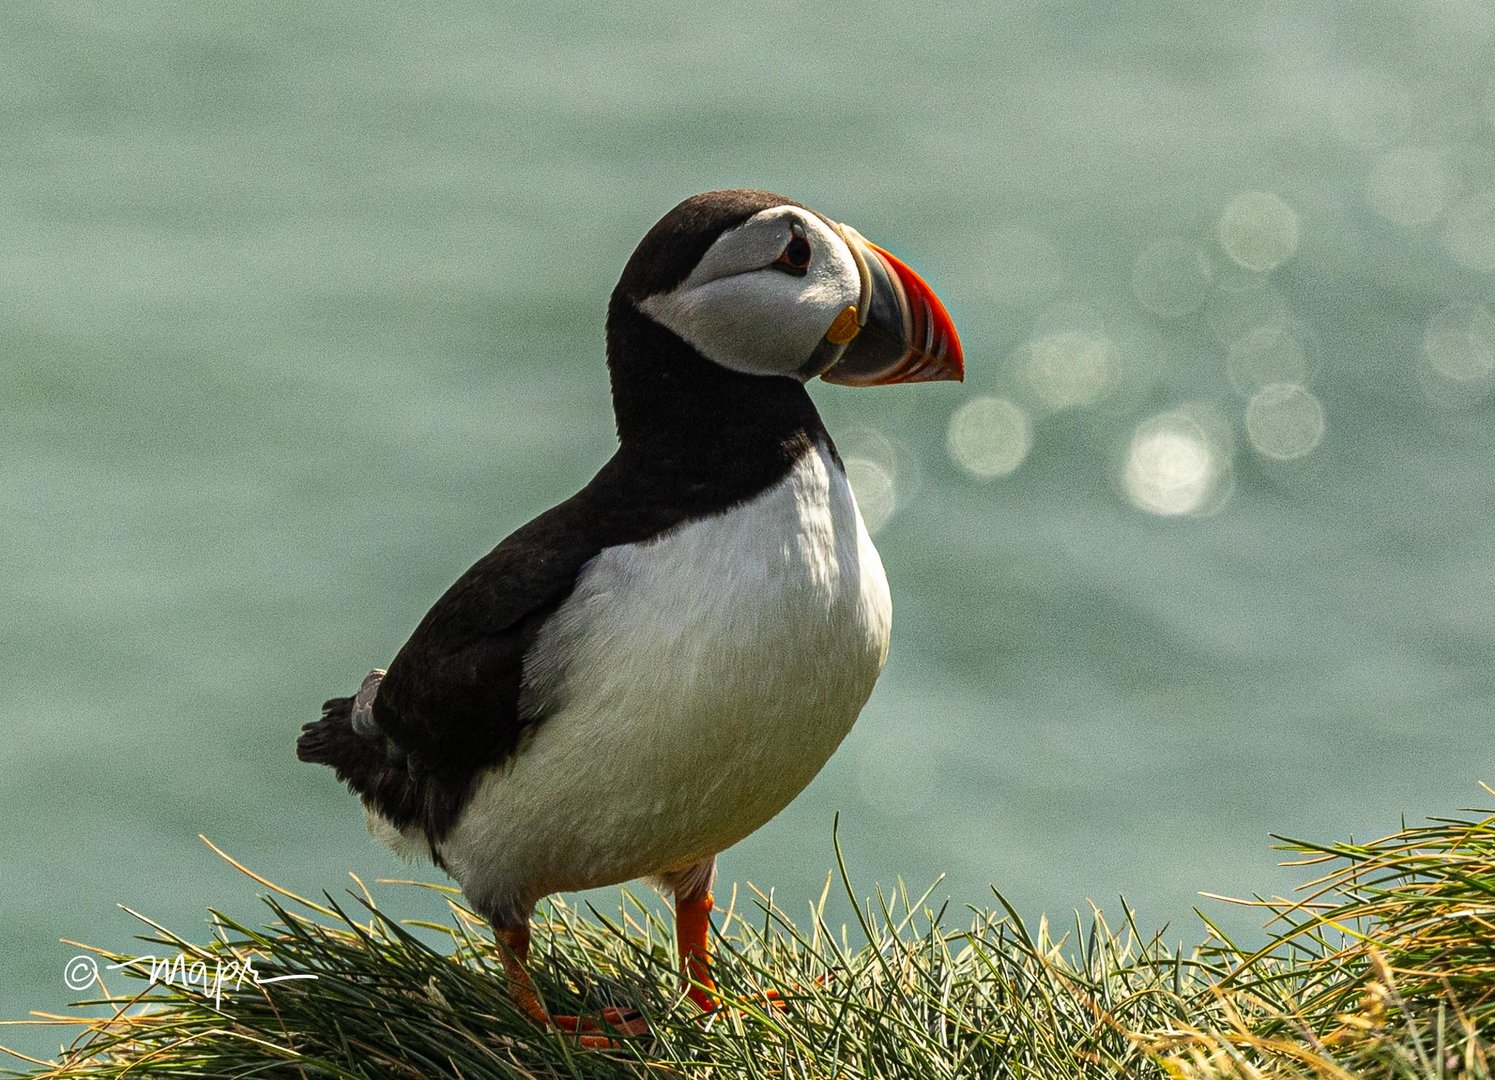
649 671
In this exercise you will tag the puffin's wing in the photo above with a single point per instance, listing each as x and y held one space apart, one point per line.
451 698
415 738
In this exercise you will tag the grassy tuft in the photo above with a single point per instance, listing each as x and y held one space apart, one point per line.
1384 967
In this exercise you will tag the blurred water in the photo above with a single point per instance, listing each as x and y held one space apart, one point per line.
303 312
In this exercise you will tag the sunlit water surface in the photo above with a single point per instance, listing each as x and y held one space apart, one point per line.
304 312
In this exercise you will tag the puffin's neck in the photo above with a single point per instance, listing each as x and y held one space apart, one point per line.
682 411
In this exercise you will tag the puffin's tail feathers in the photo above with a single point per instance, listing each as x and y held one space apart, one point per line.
329 740
347 738
404 801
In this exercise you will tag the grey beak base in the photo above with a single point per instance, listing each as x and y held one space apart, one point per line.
879 348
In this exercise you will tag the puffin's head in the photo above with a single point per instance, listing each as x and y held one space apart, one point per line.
760 284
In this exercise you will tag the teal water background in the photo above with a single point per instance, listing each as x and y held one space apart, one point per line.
301 311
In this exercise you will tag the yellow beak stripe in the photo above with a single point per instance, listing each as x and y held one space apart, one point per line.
844 327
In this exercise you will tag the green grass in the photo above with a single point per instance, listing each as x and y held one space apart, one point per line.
1383 967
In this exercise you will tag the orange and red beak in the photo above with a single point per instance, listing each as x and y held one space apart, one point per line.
902 333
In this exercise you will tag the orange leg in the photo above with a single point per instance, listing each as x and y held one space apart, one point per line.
692 925
515 944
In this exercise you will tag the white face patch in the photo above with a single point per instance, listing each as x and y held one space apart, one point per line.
743 312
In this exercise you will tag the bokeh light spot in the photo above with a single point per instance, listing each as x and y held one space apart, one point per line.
1469 232
1408 185
1171 277
1284 421
1258 230
875 491
1070 368
1459 342
989 436
1172 466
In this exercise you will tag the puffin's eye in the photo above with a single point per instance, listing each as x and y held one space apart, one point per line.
795 258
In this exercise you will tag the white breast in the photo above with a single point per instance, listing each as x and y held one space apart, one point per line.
690 687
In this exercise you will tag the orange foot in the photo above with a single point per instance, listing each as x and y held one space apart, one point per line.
621 1022
776 999
589 1030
